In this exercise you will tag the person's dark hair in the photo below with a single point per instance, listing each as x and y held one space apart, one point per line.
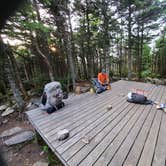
103 71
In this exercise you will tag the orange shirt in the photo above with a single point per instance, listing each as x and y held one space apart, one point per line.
103 78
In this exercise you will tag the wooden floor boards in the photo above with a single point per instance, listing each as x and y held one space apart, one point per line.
128 134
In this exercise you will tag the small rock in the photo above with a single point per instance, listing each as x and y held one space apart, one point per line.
19 138
121 95
5 121
40 163
41 153
3 107
62 134
11 131
8 111
109 107
15 154
85 139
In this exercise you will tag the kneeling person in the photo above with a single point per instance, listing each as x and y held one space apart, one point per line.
103 81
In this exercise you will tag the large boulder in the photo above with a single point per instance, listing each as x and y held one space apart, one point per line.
149 79
40 163
10 132
8 111
19 138
158 81
3 107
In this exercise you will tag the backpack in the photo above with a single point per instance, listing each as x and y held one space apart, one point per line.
138 98
52 97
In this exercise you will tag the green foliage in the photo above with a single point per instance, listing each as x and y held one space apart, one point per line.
146 73
39 81
52 160
111 73
64 82
37 26
45 148
146 59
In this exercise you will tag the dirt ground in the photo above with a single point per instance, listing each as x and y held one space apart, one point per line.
25 154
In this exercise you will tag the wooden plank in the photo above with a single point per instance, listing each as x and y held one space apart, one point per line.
37 114
110 145
112 121
69 122
97 123
83 112
149 146
77 146
101 104
135 152
113 113
124 149
69 142
80 155
86 117
73 108
160 151
147 154
83 98
48 143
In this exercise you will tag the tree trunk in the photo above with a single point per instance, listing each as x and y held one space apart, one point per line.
139 55
16 72
50 71
129 42
141 46
10 76
25 71
89 53
74 56
106 35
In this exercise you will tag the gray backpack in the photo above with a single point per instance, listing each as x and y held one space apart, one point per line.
52 97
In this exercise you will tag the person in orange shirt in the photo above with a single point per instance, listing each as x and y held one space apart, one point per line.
103 78
102 82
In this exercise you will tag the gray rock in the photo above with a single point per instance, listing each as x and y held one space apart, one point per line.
8 111
5 121
86 140
20 138
40 163
109 107
10 132
149 79
157 81
3 107
62 134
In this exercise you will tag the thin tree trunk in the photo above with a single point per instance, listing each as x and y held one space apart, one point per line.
17 76
10 76
141 48
25 71
50 71
74 56
129 42
89 53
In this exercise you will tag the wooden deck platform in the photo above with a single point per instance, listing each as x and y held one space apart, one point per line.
128 134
